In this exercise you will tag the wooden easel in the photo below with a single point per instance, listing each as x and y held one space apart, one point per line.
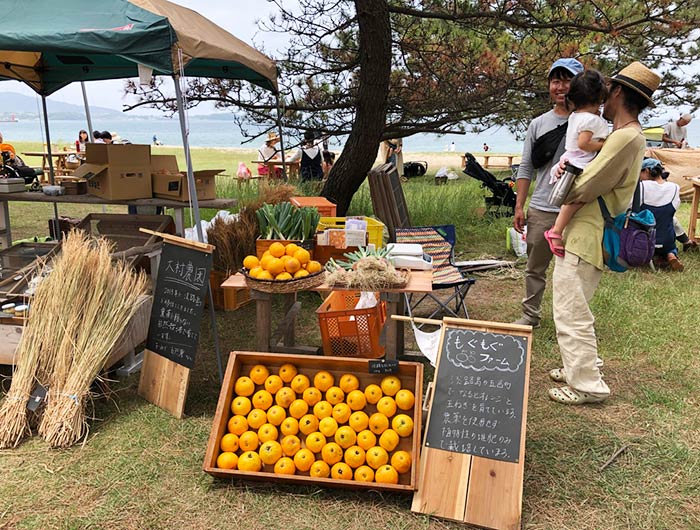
472 489
164 382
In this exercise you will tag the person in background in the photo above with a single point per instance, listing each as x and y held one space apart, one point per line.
391 152
485 147
676 132
540 214
106 137
81 142
97 137
328 161
268 152
311 158
13 160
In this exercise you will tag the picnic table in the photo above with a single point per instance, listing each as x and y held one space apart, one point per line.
293 167
419 282
487 161
59 158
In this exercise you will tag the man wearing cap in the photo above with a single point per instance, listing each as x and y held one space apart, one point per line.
676 132
612 175
540 214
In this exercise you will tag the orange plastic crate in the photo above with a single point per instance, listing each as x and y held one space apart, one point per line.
325 207
350 332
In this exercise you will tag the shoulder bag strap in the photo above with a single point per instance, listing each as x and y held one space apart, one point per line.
637 199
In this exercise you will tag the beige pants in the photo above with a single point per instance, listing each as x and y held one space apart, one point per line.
538 258
574 282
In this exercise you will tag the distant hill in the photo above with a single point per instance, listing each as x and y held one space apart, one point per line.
28 106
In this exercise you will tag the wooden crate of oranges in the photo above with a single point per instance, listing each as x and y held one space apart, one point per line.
321 420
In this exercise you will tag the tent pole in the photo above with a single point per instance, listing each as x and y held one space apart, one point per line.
279 128
56 226
87 111
195 208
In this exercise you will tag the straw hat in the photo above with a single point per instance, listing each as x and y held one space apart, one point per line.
640 79
272 137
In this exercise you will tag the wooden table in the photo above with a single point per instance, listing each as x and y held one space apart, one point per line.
293 168
60 158
419 282
695 181
27 196
487 165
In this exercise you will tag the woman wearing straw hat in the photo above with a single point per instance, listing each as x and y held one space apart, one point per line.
612 175
269 152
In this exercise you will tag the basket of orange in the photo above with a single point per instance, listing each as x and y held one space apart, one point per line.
282 269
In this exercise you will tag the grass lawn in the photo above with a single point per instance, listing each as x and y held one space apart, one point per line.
141 469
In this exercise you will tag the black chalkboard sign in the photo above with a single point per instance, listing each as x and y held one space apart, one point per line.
176 317
477 403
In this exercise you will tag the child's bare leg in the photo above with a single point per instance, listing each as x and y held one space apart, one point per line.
566 212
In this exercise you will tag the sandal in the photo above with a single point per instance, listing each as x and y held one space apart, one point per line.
568 396
558 375
551 237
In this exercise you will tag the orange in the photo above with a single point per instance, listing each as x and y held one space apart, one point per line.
244 386
285 466
312 395
386 475
287 372
323 409
276 249
341 471
332 453
290 445
376 457
275 266
290 249
276 415
345 437
273 383
301 273
267 432
229 442
404 399
227 460
300 383
248 441
303 459
308 423
387 406
258 374
265 260
356 400
285 396
354 456
373 393
359 420
323 380
366 439
315 441
348 383
364 474
341 412
390 385
266 253
302 255
298 408
241 405
249 461
403 425
401 461
270 452
255 272
328 426
389 440
250 262
335 395
256 418
283 277
289 426
313 266
378 423
237 424
262 399
292 265
264 275
320 469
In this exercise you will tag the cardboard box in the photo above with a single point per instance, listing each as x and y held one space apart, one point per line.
169 183
117 171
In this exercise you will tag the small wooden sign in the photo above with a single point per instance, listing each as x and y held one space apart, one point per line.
472 463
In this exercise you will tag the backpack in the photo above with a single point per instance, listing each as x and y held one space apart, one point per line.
629 239
414 169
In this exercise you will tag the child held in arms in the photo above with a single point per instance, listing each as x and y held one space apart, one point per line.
585 135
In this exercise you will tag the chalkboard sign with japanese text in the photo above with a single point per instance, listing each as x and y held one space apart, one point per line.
477 405
178 303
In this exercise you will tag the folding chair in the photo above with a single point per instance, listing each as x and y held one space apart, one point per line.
438 242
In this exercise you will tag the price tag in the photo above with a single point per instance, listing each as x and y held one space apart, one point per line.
383 366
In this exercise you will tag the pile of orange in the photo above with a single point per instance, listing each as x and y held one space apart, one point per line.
281 262
292 423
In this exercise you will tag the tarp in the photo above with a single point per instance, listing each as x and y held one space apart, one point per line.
50 43
680 163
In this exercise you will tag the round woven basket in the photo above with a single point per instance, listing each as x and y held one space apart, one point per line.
287 286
